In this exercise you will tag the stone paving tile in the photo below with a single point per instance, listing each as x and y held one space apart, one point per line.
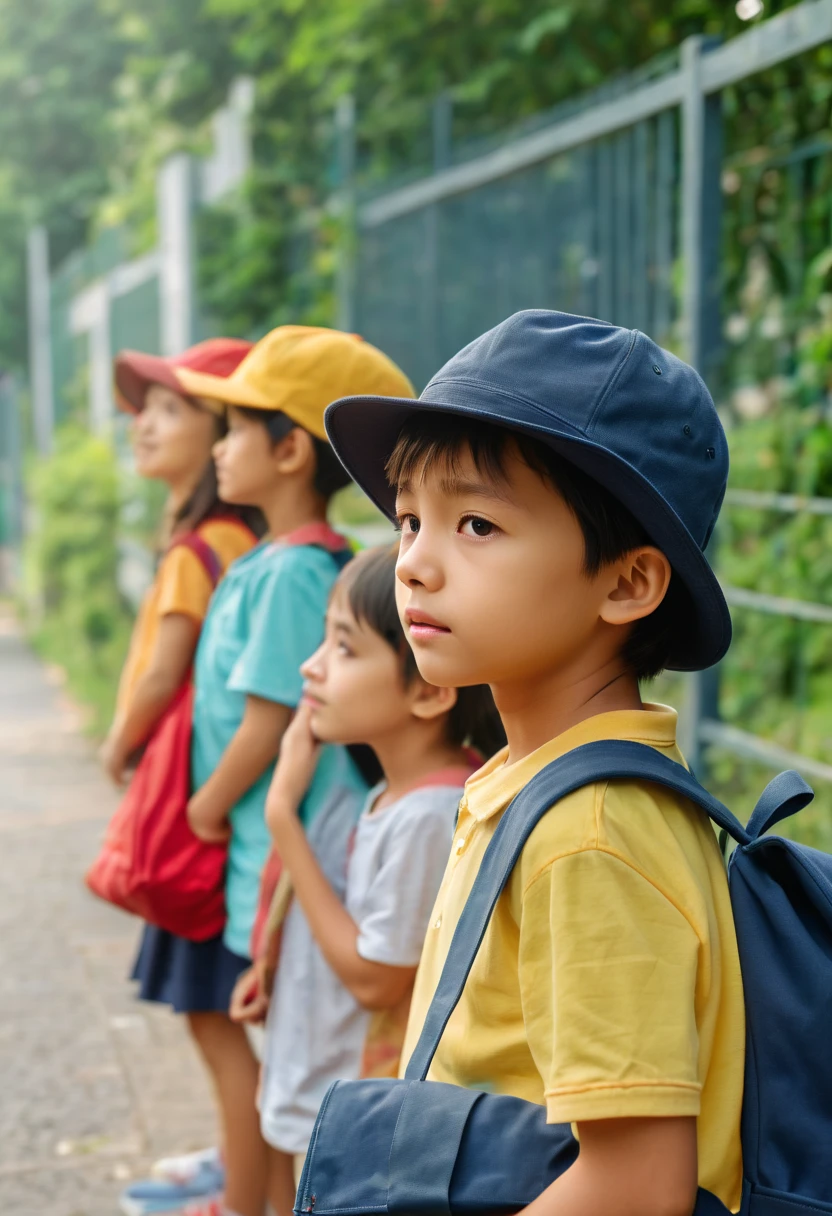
93 1085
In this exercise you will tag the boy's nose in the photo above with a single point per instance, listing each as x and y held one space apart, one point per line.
417 566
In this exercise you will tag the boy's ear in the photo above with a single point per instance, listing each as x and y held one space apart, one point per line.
294 452
639 584
427 701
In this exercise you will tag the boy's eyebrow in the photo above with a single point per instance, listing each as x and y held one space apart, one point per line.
457 487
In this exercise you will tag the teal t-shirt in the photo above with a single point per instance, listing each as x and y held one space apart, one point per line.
265 619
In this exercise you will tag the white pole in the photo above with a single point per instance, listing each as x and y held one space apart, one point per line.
40 338
174 190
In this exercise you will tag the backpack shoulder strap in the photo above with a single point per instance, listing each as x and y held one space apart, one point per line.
341 557
606 760
200 548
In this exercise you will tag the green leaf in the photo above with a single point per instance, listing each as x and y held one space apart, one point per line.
555 21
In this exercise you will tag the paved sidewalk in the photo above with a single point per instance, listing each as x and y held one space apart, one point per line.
93 1085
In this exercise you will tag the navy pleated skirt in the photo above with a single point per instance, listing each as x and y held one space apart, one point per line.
191 977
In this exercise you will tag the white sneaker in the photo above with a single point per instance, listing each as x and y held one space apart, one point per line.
184 1169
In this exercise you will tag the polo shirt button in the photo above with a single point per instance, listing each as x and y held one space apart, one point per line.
459 845
437 924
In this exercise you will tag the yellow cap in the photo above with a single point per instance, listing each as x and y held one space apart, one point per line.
300 370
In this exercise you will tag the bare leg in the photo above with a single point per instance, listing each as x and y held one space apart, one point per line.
281 1182
234 1071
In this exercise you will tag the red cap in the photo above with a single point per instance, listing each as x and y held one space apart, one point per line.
134 371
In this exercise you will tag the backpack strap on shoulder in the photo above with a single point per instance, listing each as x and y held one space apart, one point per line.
341 557
207 557
787 794
605 760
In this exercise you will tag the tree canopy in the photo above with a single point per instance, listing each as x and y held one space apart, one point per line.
94 92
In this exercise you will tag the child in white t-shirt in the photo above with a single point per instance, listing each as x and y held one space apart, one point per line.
363 893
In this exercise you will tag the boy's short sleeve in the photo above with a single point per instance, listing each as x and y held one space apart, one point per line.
183 584
286 612
395 910
608 970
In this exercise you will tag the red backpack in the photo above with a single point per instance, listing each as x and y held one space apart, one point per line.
151 863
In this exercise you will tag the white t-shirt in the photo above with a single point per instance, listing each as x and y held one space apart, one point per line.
316 1029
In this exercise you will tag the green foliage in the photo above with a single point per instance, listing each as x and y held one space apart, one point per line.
92 94
58 63
499 61
71 564
776 678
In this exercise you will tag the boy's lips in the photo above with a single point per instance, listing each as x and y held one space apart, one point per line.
311 700
422 625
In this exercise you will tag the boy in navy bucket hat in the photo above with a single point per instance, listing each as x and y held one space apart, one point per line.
556 485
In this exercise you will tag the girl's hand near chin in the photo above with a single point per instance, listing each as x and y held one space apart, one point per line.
299 751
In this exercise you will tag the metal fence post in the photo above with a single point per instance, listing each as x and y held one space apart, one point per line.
175 205
442 129
40 339
701 327
345 284
441 124
11 483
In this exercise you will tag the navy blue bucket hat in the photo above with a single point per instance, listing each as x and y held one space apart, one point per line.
610 401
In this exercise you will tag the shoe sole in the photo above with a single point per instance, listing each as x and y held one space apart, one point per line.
141 1207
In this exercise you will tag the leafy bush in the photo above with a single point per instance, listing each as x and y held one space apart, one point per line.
77 618
776 681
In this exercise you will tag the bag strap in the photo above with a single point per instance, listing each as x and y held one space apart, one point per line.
201 550
606 760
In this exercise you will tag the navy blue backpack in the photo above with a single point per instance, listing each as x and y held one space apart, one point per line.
414 1147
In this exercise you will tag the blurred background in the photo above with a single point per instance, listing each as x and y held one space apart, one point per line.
415 170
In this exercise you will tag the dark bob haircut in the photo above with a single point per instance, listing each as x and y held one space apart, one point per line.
370 583
437 441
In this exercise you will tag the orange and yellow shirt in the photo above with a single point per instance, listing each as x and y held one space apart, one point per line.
181 585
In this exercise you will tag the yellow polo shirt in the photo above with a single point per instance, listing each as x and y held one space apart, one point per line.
608 982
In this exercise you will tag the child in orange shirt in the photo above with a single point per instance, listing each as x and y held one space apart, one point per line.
173 436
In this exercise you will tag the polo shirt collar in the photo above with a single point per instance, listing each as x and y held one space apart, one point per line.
490 790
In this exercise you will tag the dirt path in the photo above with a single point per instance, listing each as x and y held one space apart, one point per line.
93 1085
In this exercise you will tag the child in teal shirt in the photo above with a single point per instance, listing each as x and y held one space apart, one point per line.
264 614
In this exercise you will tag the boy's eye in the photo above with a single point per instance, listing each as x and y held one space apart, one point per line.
408 523
474 525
